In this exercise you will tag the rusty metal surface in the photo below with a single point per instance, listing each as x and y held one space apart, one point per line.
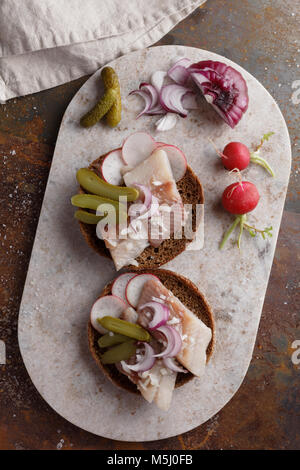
262 36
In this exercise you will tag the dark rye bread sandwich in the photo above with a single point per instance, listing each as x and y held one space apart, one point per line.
191 192
189 295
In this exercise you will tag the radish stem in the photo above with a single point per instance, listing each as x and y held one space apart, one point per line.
255 158
242 221
229 231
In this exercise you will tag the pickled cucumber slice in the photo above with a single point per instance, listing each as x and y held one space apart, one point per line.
87 217
110 80
95 185
124 328
122 352
100 109
107 340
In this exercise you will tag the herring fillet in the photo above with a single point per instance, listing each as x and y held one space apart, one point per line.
196 334
155 172
153 386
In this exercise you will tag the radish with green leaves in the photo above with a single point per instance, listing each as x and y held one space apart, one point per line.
239 199
237 156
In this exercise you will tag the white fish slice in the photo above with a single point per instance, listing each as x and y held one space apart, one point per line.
197 335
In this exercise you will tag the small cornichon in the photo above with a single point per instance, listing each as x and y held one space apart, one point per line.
110 80
109 104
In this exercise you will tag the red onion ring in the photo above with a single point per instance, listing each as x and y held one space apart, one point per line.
161 313
173 339
146 362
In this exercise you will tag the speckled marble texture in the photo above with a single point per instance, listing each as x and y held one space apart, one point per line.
65 276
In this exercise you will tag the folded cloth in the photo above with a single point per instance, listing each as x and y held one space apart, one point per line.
46 43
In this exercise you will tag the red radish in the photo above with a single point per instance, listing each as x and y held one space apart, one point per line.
120 284
177 160
137 147
135 286
235 155
111 167
240 199
107 305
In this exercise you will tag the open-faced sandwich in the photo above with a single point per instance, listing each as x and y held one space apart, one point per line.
157 198
151 332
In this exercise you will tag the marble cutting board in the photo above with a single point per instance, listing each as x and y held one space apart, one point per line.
65 276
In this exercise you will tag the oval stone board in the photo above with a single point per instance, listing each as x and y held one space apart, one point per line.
65 276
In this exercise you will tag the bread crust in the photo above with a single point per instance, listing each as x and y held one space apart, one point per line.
191 192
188 294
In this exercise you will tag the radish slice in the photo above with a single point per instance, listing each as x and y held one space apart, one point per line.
107 305
119 285
137 147
111 167
135 286
177 160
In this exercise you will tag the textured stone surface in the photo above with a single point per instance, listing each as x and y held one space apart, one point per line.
64 276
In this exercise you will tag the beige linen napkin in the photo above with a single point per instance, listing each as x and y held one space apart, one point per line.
44 43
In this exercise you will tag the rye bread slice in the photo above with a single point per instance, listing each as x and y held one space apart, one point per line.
188 294
191 192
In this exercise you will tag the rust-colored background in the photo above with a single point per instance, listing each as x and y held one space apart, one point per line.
262 36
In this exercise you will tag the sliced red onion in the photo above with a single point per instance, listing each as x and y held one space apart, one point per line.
174 341
161 313
223 87
179 74
145 192
171 98
166 122
189 100
151 97
146 97
171 363
184 61
146 362
157 79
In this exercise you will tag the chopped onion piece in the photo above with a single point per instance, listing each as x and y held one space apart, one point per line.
146 97
166 122
171 98
157 79
179 74
171 363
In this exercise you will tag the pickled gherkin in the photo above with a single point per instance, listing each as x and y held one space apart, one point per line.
100 109
110 80
113 210
91 182
122 352
87 217
124 328
107 340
